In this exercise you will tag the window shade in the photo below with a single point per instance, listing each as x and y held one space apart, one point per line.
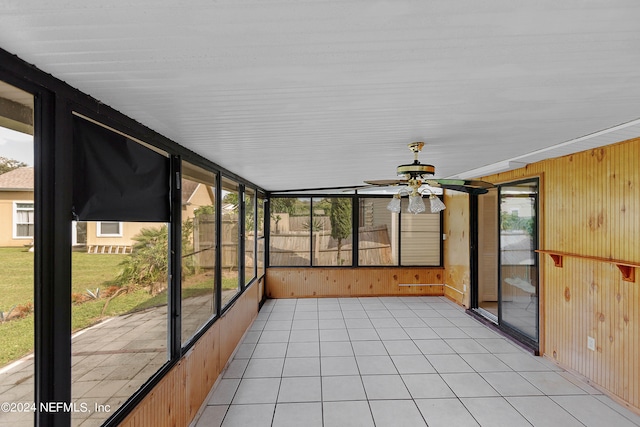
116 178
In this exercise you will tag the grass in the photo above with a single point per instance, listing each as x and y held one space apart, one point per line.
89 271
17 277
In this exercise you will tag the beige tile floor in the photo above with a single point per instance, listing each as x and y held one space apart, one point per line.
404 361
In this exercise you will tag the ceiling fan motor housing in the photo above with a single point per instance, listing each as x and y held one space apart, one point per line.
416 170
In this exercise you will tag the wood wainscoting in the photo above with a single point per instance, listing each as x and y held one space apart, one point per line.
176 399
296 282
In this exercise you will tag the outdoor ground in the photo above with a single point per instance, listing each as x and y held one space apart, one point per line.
90 273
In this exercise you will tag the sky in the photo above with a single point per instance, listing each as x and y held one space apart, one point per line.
16 145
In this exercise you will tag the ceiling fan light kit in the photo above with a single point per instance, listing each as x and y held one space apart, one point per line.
436 205
415 175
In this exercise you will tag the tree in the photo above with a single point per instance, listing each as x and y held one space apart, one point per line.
340 217
7 164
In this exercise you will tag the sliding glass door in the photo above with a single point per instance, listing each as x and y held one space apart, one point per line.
506 289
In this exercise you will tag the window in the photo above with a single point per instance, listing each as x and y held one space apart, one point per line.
230 240
291 227
126 276
260 240
23 219
419 238
198 285
318 232
17 287
250 235
332 231
109 229
378 233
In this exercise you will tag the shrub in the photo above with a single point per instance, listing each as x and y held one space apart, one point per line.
147 264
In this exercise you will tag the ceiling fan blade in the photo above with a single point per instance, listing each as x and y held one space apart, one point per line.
466 182
320 189
465 185
387 182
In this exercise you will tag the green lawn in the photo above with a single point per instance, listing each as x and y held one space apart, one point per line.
17 277
90 271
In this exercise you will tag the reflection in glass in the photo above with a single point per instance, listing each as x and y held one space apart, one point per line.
198 248
291 227
230 239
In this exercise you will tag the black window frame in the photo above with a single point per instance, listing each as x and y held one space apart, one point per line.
355 206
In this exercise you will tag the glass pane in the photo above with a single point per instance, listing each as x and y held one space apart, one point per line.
260 216
230 239
420 238
119 316
198 249
261 240
290 239
517 257
16 252
332 231
24 230
109 228
250 235
378 233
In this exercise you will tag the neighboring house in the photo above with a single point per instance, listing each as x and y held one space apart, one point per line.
16 207
194 196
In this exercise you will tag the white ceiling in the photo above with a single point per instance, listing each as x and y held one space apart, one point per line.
316 93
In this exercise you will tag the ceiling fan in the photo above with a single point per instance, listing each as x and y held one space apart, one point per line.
416 175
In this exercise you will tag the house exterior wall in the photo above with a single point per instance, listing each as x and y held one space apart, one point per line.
7 199
589 208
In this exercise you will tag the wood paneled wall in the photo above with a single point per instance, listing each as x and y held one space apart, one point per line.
591 207
352 282
456 247
176 399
